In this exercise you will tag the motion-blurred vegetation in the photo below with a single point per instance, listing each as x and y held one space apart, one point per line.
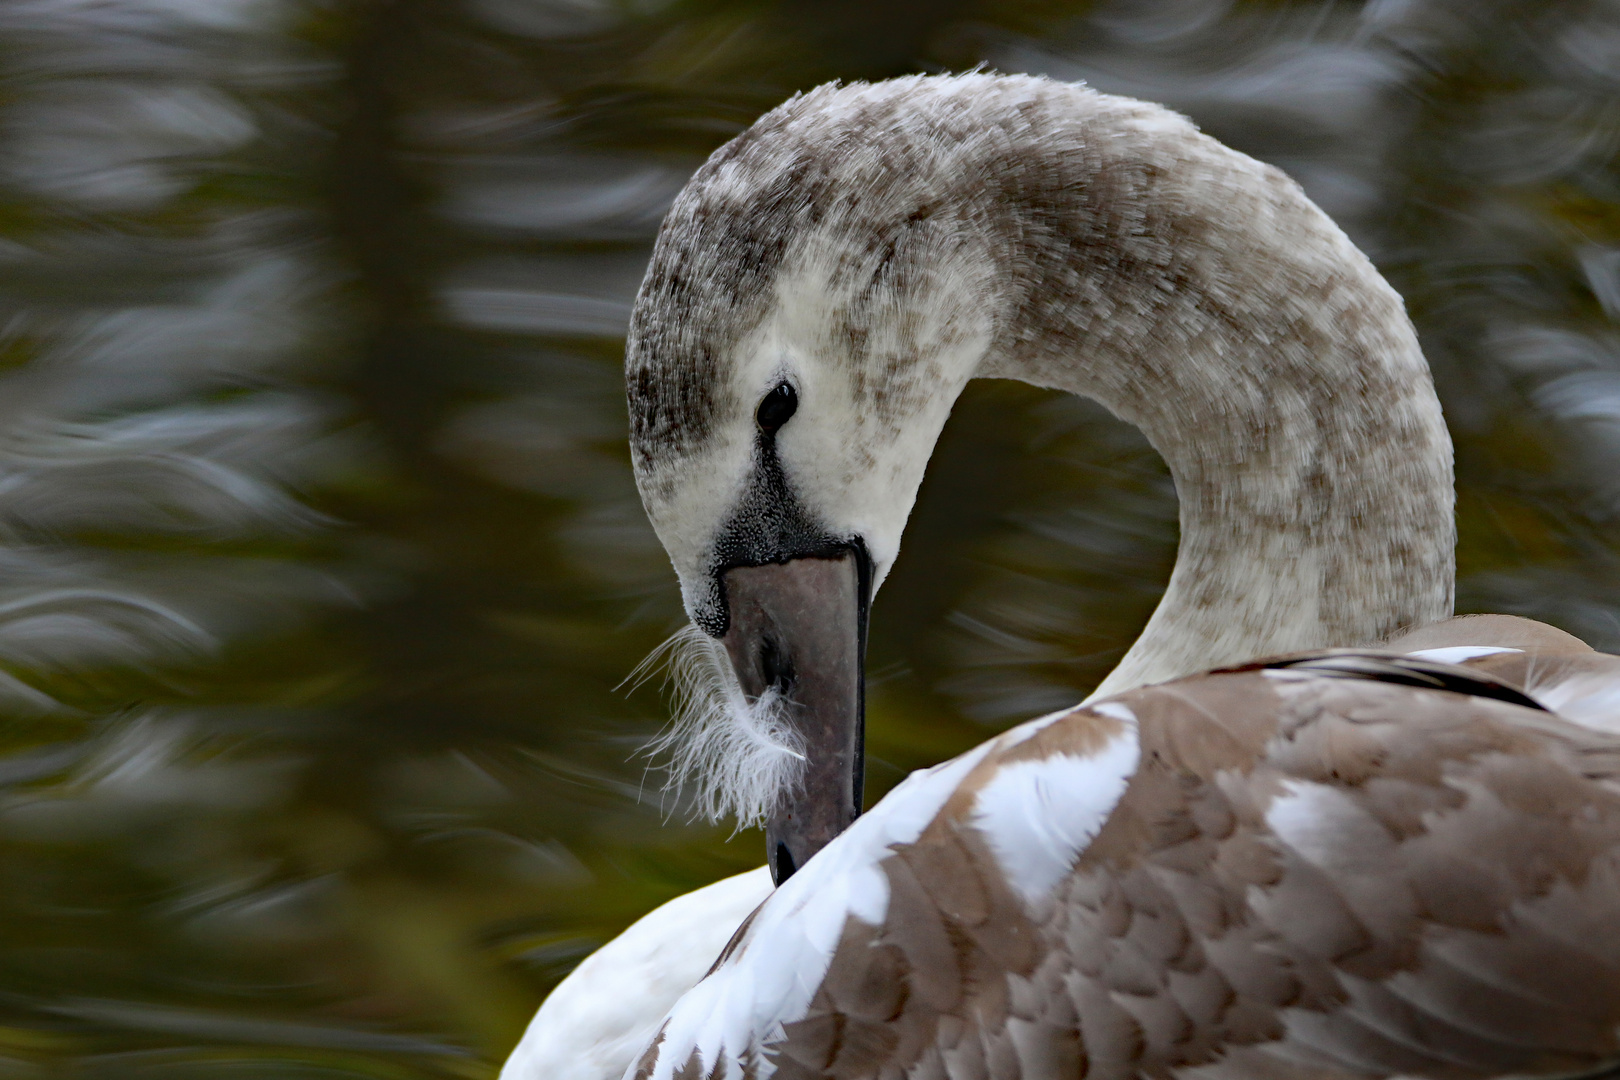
321 559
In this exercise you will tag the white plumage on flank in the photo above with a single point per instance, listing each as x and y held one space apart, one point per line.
601 1016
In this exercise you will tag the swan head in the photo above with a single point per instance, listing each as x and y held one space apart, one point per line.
811 312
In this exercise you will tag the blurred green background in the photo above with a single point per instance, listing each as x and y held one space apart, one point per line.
320 558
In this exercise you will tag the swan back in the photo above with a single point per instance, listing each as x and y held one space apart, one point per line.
1326 858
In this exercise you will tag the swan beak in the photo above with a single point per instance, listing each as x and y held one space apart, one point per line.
800 627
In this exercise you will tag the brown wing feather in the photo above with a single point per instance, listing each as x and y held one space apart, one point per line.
1521 804
1307 877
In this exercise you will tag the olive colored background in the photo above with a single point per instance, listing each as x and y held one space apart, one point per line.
320 559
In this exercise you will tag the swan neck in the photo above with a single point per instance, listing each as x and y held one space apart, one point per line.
1276 372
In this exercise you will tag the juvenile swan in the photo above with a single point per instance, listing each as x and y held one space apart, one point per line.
820 293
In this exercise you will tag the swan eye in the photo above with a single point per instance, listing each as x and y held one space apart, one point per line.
777 408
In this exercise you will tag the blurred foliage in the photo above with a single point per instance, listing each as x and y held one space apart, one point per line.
319 555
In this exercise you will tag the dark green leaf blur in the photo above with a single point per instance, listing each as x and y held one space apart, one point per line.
320 559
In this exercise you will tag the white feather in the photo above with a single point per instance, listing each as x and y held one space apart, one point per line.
590 1026
1591 700
735 756
1456 654
1038 815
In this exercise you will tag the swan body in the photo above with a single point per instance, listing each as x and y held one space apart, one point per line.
590 1029
1323 866
862 252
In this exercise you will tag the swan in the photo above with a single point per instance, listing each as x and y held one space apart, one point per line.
819 294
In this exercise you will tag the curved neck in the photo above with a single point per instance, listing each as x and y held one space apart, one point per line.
1198 294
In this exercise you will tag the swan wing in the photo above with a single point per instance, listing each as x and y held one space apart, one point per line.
1290 870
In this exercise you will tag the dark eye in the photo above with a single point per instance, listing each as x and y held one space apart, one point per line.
777 408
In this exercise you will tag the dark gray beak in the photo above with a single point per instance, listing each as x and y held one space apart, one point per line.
800 626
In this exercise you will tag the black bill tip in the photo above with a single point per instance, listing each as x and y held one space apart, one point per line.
782 865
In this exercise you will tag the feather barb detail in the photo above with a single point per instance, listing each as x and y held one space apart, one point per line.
725 755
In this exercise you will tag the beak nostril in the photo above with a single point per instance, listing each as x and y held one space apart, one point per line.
774 669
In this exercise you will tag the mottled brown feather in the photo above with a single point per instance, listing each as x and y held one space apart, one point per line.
1440 926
